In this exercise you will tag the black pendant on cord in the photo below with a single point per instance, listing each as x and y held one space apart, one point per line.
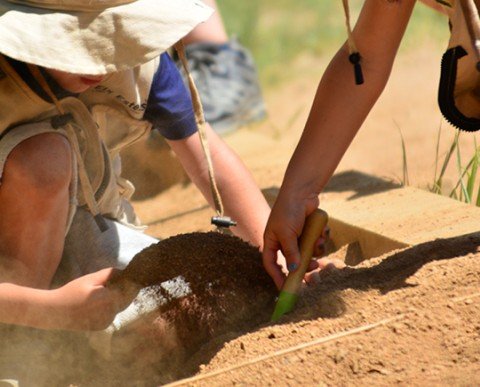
355 59
223 221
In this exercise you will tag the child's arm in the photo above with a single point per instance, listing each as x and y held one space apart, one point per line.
82 304
339 109
241 197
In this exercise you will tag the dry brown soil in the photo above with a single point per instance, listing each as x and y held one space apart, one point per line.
410 317
425 298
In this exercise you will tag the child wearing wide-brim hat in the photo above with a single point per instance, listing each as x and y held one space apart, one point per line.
78 82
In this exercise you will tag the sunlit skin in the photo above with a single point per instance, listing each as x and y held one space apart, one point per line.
329 130
78 83
75 83
32 231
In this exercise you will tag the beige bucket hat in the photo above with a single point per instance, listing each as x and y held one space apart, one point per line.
94 36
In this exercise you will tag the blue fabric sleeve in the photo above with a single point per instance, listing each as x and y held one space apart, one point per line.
169 106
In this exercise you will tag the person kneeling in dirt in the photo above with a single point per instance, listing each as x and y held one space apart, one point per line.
341 106
78 82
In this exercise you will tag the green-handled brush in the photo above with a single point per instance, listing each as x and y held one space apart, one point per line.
312 230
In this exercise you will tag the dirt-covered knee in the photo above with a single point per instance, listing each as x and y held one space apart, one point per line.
42 164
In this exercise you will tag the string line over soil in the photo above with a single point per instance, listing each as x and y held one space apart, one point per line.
319 341
468 296
299 347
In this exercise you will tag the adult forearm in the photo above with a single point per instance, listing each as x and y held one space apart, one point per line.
341 106
338 111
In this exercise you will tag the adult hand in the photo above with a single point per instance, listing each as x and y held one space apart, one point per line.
86 303
283 229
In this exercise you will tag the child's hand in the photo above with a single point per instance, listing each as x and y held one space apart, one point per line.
86 303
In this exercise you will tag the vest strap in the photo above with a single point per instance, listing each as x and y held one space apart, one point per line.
65 119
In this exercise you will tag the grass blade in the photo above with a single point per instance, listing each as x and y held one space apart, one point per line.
437 151
446 161
478 198
462 175
463 193
406 180
472 175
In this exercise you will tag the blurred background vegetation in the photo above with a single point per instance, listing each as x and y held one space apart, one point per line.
279 31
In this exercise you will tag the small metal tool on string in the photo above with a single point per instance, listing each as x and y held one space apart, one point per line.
221 221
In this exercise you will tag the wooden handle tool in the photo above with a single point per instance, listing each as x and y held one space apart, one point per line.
312 230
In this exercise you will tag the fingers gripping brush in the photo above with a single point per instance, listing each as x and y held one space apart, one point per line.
312 230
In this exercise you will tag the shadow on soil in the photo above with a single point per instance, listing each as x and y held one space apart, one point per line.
357 183
323 300
360 183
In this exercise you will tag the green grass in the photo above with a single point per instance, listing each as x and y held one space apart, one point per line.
279 31
405 177
465 188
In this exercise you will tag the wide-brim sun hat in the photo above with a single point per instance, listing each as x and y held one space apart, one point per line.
94 36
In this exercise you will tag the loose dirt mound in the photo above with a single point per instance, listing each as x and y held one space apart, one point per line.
223 289
228 287
423 302
426 299
228 294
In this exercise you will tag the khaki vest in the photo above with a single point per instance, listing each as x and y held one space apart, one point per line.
107 118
